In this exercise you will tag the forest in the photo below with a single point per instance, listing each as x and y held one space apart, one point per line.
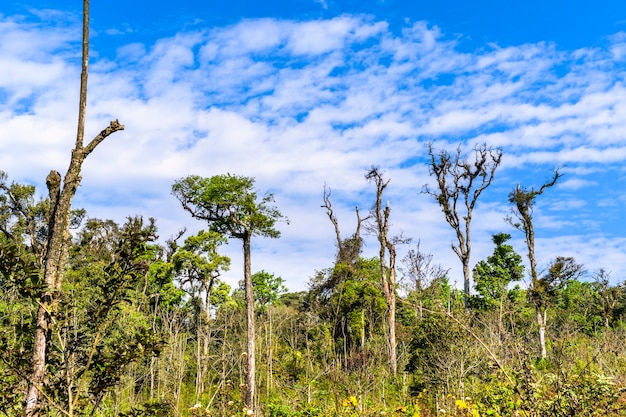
104 318
141 328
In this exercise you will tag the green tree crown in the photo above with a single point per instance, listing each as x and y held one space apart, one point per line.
229 203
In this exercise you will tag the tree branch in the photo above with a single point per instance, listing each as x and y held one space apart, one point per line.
113 127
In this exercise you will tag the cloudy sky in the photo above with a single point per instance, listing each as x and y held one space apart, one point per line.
302 93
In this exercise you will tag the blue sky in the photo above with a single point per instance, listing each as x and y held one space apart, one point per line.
302 93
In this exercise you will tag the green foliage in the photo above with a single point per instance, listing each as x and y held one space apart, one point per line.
578 306
197 266
150 409
443 353
493 276
198 259
276 409
229 203
11 388
609 299
19 269
23 218
438 295
351 300
267 288
545 289
129 341
104 316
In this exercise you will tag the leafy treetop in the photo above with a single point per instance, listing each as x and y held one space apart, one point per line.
229 203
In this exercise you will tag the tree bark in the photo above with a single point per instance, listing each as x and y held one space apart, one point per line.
541 323
391 317
251 365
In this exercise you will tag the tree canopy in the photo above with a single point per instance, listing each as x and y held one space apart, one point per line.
229 204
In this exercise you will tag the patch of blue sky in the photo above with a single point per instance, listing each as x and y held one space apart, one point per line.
561 69
341 70
415 160
19 106
190 141
345 125
5 96
439 80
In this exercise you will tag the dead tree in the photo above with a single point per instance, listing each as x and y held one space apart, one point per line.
522 219
348 250
387 245
56 254
460 181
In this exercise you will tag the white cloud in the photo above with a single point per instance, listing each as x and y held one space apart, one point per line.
318 37
297 104
576 184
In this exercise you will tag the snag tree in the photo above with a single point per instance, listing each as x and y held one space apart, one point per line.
61 193
387 246
460 181
522 219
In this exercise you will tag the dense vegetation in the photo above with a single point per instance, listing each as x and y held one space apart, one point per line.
144 328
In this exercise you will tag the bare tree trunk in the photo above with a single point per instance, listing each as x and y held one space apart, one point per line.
541 322
180 374
270 358
387 272
541 313
467 277
251 365
203 336
58 232
524 201
391 316
199 368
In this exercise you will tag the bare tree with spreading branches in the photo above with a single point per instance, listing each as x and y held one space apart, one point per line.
460 181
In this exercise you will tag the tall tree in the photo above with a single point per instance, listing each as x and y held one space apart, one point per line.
61 193
346 270
460 181
523 201
229 204
387 245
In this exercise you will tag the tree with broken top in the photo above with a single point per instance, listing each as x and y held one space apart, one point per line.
523 201
61 193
